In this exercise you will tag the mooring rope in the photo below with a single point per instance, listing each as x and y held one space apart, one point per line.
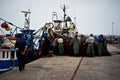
73 75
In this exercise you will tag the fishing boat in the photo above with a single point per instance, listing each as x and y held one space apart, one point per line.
35 39
8 59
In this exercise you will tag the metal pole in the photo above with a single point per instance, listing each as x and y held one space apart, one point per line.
10 23
75 24
112 28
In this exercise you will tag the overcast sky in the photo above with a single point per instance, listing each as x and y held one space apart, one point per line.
92 16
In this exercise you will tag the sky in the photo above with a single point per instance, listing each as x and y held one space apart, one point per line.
92 16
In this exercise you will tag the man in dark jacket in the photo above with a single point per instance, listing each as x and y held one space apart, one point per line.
21 48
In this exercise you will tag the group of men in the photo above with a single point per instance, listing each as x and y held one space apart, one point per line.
80 45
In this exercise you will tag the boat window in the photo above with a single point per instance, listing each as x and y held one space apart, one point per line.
7 54
12 54
3 55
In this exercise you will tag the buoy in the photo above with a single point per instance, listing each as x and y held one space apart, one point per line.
4 25
7 28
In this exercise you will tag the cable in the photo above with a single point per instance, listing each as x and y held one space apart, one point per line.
73 76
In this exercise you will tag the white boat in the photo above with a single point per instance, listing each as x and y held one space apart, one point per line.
8 60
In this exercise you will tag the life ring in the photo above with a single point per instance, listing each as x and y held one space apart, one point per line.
49 31
48 25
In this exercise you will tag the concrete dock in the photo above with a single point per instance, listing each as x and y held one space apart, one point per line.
70 68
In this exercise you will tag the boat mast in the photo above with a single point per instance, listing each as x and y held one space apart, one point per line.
64 11
27 19
75 24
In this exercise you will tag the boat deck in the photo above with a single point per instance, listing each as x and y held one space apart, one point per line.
70 68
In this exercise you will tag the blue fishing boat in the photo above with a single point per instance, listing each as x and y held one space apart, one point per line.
8 60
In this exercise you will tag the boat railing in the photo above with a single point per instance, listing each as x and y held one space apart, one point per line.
7 54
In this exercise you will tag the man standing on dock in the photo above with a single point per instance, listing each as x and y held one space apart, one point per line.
90 47
21 48
76 45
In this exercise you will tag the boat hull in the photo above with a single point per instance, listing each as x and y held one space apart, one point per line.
8 60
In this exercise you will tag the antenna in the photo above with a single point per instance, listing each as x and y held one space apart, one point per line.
112 28
64 10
